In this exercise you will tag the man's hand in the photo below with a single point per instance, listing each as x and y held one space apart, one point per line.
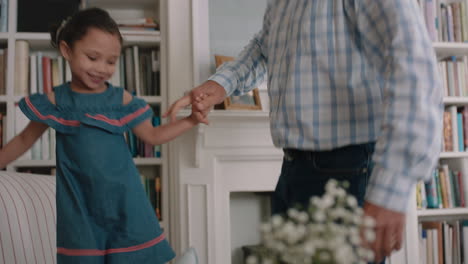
388 230
212 94
202 98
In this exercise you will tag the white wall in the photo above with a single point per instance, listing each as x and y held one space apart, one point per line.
232 24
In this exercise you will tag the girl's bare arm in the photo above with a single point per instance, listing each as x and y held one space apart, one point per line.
164 133
21 143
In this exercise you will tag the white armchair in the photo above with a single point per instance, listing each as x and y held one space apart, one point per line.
27 218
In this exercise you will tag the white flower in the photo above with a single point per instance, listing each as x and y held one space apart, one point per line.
314 201
329 230
369 221
293 213
369 235
303 217
370 255
326 202
309 248
276 221
351 201
267 261
344 254
319 216
325 256
251 260
331 186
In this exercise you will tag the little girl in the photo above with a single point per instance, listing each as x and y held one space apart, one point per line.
103 214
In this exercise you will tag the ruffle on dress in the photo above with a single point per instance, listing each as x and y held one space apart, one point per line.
114 119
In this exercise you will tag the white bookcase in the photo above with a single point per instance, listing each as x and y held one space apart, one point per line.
456 160
41 41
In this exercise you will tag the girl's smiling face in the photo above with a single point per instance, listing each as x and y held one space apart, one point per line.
92 60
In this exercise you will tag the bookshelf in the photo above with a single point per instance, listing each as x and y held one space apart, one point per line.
448 28
150 167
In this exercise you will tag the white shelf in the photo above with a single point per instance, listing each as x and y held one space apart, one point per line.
42 40
152 99
147 161
453 155
121 3
456 100
141 38
3 98
433 214
51 163
231 114
450 48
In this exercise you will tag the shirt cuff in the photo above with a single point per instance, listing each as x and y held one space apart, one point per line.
389 189
225 79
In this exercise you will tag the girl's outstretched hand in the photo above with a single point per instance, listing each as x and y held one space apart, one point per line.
176 107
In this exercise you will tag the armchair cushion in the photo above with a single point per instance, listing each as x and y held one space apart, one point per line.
27 218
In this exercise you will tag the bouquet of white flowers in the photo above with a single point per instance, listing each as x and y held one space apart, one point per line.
332 230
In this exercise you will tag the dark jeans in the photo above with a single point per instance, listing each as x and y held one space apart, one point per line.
305 173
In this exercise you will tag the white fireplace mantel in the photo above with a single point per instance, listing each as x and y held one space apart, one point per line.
233 154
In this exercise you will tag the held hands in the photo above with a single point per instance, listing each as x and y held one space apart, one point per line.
388 230
202 98
195 116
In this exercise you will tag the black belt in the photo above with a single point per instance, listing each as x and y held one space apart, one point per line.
291 154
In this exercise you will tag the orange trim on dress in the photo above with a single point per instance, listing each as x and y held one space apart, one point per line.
56 119
120 122
99 252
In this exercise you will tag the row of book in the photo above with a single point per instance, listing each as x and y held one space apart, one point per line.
445 21
152 186
43 148
454 72
137 70
139 24
133 25
138 148
443 190
455 129
443 242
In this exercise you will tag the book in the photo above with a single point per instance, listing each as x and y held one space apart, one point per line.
2 72
39 74
55 72
129 68
21 68
461 140
136 70
448 135
453 113
157 188
431 190
47 74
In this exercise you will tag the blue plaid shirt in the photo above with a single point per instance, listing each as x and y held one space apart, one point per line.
346 72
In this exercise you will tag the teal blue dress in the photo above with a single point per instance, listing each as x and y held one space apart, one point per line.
103 214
